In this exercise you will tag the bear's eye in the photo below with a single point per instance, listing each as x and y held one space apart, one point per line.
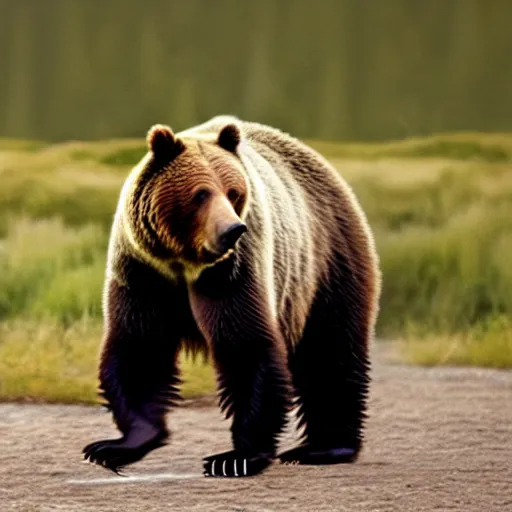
233 195
201 196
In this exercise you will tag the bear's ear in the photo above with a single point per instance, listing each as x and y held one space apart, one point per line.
163 143
229 137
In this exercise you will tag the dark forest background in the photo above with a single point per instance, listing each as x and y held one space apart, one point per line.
329 69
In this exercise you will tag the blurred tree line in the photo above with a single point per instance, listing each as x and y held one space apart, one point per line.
334 69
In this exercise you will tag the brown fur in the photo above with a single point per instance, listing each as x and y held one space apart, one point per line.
290 309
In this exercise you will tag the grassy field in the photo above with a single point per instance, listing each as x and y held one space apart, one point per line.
441 209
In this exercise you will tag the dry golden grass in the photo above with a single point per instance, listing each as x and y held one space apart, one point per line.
441 209
490 348
46 361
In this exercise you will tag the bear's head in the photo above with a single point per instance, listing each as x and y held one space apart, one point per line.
185 202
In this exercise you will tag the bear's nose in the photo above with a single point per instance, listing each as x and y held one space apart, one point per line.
229 237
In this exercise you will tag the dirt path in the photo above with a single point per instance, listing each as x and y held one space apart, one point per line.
437 439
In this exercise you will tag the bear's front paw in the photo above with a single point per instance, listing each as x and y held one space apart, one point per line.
110 454
115 454
235 464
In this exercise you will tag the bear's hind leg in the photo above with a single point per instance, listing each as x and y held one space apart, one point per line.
330 369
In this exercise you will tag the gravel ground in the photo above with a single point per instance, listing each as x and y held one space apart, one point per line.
437 439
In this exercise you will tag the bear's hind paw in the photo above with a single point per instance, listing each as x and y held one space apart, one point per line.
309 455
234 464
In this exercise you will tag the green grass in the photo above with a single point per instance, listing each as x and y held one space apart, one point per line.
441 209
448 279
48 269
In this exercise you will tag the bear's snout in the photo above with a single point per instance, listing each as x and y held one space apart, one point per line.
229 237
223 227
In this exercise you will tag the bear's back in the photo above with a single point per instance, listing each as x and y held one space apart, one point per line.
301 212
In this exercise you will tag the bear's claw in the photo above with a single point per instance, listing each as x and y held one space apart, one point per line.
115 454
234 464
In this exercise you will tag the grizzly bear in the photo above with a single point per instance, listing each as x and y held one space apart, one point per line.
236 239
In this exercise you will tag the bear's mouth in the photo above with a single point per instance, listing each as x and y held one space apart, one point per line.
209 256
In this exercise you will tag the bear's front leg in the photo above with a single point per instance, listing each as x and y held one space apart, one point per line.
250 357
138 372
